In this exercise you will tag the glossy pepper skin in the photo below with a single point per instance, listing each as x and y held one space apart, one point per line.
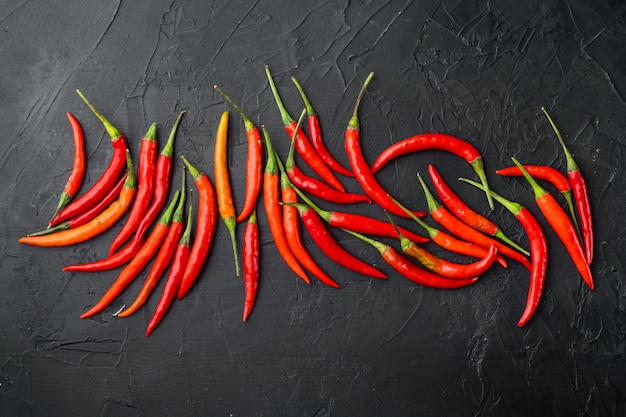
251 263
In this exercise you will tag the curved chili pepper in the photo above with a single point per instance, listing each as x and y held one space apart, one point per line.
145 189
438 141
254 161
161 183
441 266
465 213
360 167
538 252
331 248
116 260
107 180
206 223
139 261
78 168
313 185
173 280
304 147
271 202
561 224
411 271
445 218
97 225
581 196
163 257
251 263
452 244
315 132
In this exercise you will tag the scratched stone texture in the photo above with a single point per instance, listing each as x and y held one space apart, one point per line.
480 70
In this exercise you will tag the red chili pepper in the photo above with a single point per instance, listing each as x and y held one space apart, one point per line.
116 260
304 147
448 220
161 183
163 257
175 276
438 141
271 202
360 167
465 213
206 223
315 132
143 257
145 189
327 243
411 271
538 252
254 161
78 169
561 224
251 263
581 196
107 180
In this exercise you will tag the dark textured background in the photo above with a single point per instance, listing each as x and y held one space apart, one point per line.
480 70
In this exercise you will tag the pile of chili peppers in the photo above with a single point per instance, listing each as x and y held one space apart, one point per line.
160 232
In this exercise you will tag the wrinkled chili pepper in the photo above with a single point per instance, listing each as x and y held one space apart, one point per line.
251 263
139 261
448 220
411 271
145 188
107 180
465 213
254 161
315 132
581 196
206 223
98 225
78 167
304 147
225 203
561 224
538 251
438 141
271 202
361 168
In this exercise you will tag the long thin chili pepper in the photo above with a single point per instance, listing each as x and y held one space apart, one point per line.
175 276
271 202
465 213
97 225
206 223
225 203
561 224
314 186
163 257
119 258
331 248
88 215
304 147
448 220
361 168
107 180
442 266
538 251
161 183
254 161
146 171
553 176
438 141
315 132
138 263
291 223
451 243
411 271
581 196
251 263
75 179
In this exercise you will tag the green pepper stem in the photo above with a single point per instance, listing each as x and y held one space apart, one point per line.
537 189
354 121
571 163
307 104
432 231
111 130
248 125
168 149
284 114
